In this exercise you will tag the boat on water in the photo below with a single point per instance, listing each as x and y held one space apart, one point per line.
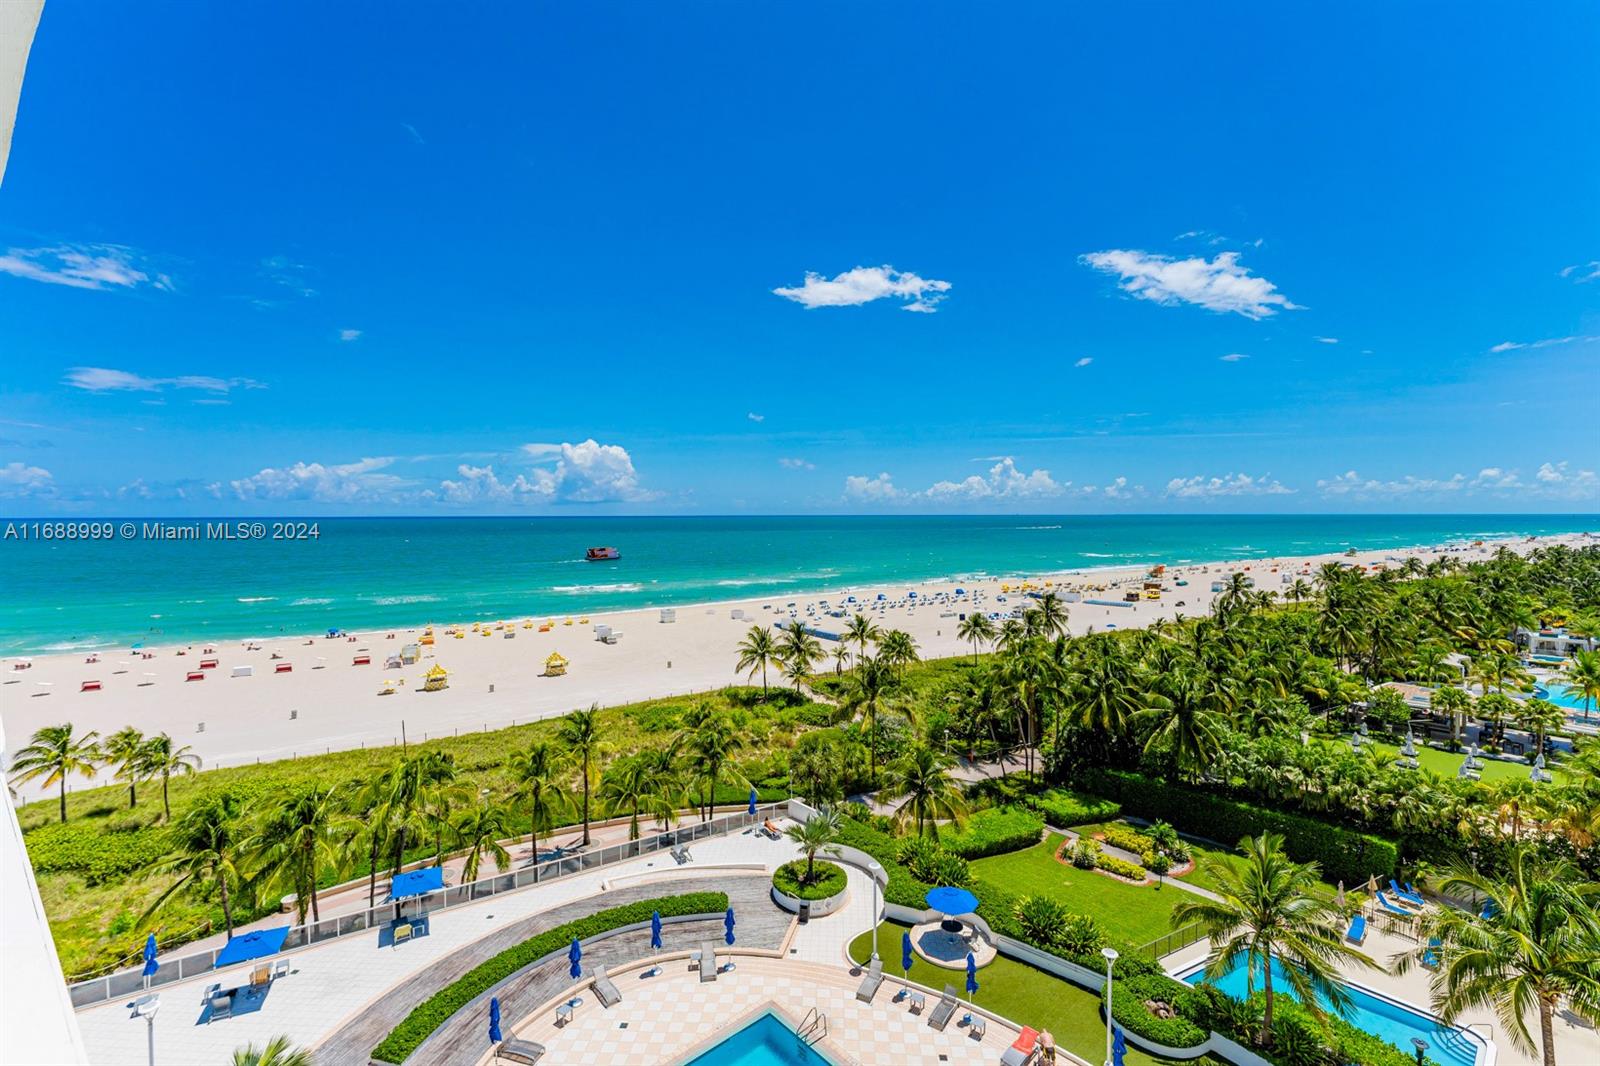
602 555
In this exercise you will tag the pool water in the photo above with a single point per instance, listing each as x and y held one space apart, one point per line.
1562 696
767 1041
1388 1021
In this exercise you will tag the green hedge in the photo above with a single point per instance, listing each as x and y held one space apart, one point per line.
1343 854
1127 1007
828 880
1065 808
1128 838
994 832
433 1012
1120 867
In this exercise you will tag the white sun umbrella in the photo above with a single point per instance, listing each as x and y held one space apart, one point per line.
1538 762
1410 749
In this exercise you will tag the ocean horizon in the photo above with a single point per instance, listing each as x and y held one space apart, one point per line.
377 572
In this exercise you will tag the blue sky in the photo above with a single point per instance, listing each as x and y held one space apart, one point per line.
282 258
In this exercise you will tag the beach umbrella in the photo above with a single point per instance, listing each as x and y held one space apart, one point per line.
905 954
1340 897
149 958
972 976
575 956
494 1020
1410 749
1119 1046
752 809
727 925
655 930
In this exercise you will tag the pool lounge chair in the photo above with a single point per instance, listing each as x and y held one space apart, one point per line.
1357 933
1430 957
514 1050
1383 901
944 1009
604 990
1407 897
1023 1050
870 983
708 961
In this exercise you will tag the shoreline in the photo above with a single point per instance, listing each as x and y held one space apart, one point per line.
242 710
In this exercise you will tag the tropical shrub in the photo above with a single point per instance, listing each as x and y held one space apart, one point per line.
98 856
1084 853
1042 920
1157 863
1064 808
1120 867
994 832
1127 838
827 880
1128 1008
1167 842
434 1011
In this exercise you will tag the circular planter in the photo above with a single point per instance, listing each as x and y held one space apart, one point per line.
818 907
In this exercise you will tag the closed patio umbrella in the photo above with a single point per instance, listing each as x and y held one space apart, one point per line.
494 1020
655 930
905 954
972 976
575 956
727 925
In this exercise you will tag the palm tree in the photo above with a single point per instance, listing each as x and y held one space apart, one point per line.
296 841
642 783
1235 594
54 755
711 742
278 1052
205 848
977 629
1541 718
1182 722
799 652
861 631
868 693
405 790
1298 590
1052 619
921 781
1454 703
124 748
581 733
480 829
162 758
1268 911
897 648
1540 948
841 656
819 833
756 652
1582 676
536 777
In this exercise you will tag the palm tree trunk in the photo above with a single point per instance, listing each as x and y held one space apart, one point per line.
1266 1017
1547 1033
372 871
166 806
133 798
533 834
63 798
586 800
227 910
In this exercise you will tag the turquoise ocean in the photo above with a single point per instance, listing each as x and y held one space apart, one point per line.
381 572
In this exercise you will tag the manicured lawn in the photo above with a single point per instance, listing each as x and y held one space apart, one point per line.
1021 993
1447 765
1135 914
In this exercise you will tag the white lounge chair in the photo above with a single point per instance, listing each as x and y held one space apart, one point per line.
944 1010
523 1051
708 961
604 990
870 983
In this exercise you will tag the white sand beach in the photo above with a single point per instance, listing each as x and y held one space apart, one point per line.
496 675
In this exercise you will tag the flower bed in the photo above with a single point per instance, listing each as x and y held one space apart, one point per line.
828 880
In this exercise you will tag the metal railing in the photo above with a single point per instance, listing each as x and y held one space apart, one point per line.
1176 940
132 981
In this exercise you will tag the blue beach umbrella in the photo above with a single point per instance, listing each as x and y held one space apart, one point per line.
150 955
655 930
494 1020
1119 1046
752 809
905 954
575 956
972 976
727 924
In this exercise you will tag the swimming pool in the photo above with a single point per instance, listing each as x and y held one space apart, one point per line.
766 1041
1383 1018
1562 696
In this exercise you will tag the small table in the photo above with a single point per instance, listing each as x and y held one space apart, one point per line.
918 1001
564 1014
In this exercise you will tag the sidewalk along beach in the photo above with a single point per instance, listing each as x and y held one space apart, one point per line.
234 702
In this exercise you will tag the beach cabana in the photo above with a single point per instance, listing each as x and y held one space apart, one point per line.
436 679
555 665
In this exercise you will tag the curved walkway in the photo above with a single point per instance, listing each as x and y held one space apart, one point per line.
760 924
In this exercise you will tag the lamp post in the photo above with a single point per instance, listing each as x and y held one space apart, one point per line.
873 918
1110 955
146 1008
1422 1048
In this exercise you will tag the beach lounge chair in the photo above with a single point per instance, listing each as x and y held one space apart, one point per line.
401 933
708 961
770 830
1023 1050
524 1051
221 1006
1357 933
1430 957
1383 901
1407 897
604 990
870 983
211 990
945 1009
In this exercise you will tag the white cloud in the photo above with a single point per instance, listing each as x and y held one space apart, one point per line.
1085 361
479 484
1004 481
752 416
281 270
103 379
19 479
349 334
588 472
1553 480
1241 484
1119 489
1233 357
1582 272
84 266
1350 483
865 284
871 489
358 482
415 136
796 464
1328 340
1219 284
1511 346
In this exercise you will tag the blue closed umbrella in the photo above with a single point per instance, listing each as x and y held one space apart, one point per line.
752 809
727 923
1119 1046
972 976
655 930
150 955
494 1020
905 954
575 956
